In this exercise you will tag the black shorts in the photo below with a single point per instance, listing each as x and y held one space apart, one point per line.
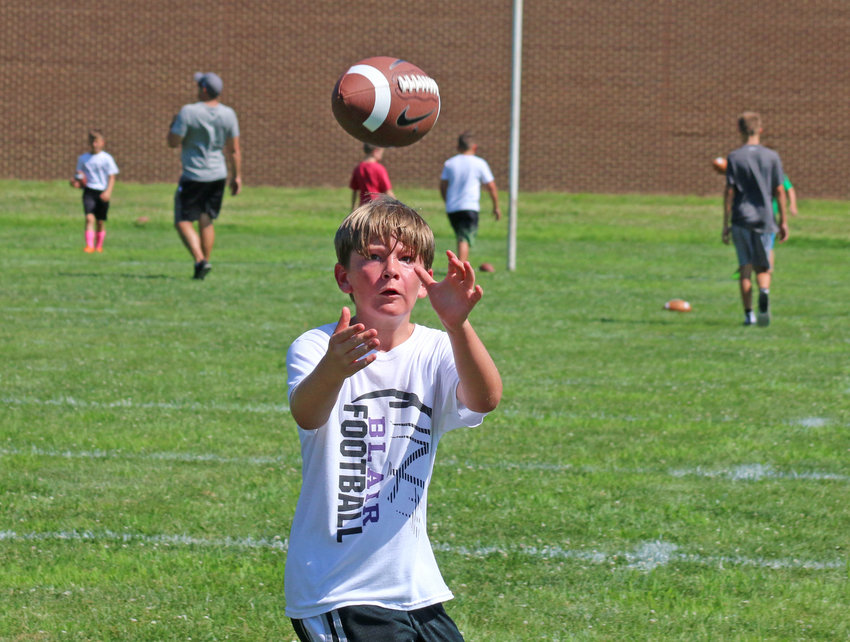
373 624
93 205
465 225
194 198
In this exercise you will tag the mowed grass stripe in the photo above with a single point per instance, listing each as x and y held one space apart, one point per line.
263 408
741 473
644 556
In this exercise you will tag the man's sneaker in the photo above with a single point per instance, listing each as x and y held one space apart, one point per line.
764 309
88 249
202 268
750 318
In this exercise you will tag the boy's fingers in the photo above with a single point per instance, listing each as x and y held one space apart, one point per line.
363 348
358 365
354 336
470 272
423 275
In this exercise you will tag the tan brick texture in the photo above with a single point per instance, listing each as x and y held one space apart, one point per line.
617 95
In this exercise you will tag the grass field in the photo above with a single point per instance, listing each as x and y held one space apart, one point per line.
649 474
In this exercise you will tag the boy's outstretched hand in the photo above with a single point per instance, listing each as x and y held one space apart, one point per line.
454 297
348 345
313 399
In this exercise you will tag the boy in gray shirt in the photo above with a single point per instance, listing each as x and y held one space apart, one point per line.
754 177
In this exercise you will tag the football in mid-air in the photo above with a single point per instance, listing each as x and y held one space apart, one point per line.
385 101
719 165
487 267
677 305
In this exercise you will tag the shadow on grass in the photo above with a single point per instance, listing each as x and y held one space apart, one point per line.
89 275
663 322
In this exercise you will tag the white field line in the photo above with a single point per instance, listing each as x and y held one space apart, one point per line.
157 456
755 472
646 556
742 473
262 408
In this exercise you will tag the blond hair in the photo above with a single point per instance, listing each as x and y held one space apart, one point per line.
388 221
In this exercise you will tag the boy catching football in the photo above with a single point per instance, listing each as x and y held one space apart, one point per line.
372 394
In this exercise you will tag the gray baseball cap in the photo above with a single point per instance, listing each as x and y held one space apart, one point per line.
209 81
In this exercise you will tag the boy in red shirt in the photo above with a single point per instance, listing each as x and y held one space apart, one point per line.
370 179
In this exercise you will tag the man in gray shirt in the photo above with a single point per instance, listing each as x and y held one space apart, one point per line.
208 134
754 177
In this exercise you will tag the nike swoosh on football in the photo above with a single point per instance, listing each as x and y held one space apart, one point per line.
404 121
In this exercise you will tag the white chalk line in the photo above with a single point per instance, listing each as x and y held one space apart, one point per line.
195 406
756 472
155 456
645 556
742 473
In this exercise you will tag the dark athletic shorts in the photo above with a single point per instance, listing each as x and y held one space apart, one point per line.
465 225
753 247
376 624
194 198
93 205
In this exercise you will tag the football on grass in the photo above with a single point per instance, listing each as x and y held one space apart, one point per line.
385 101
677 305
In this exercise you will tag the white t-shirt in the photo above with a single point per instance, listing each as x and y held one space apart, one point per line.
97 169
359 533
465 174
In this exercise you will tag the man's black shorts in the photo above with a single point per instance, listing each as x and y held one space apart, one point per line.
465 225
194 198
93 205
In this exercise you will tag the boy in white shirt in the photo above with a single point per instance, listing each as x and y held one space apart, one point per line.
372 394
95 174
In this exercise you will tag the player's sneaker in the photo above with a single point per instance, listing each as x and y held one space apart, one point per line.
88 249
750 318
98 249
764 309
202 268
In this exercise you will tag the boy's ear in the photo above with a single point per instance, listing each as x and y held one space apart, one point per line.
341 276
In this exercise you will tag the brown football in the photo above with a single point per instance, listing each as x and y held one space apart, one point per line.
677 305
719 165
486 267
385 101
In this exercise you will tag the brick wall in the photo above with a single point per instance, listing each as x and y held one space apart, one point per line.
618 95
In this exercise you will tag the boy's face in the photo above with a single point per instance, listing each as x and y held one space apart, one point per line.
96 143
384 283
